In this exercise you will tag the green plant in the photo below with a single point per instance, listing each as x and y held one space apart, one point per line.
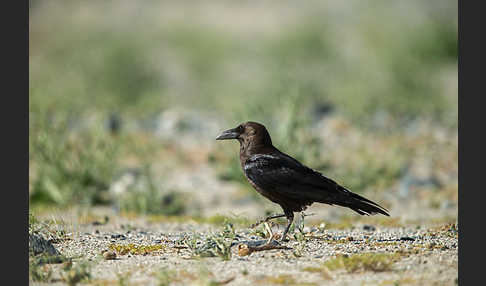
165 277
68 168
80 272
376 262
215 244
148 197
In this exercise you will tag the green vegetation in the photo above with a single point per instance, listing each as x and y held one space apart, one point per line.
165 277
68 168
376 262
147 197
39 272
323 271
214 220
201 277
215 245
80 272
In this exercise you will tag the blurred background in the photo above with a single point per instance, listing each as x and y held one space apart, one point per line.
127 97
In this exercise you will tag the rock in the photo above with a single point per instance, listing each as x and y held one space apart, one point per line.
38 245
118 236
109 255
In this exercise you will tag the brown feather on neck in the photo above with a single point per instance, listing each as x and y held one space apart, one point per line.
255 141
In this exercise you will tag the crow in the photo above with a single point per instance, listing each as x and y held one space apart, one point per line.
287 182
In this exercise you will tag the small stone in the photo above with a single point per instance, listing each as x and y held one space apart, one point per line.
109 255
243 250
430 245
367 227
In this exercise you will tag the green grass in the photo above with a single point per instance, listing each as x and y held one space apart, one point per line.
66 167
78 273
375 262
215 245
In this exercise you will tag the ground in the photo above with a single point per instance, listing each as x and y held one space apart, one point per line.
152 250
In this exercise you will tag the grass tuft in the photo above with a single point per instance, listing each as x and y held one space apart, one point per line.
376 262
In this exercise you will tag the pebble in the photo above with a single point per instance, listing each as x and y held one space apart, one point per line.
367 227
109 255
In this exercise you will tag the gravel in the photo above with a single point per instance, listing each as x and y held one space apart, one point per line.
429 254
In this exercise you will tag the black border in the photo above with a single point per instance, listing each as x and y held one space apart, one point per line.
15 140
471 130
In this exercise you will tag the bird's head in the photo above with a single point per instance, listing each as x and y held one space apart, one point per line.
248 133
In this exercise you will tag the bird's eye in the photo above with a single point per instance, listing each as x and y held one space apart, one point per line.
240 128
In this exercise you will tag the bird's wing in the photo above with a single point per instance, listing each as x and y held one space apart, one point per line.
283 175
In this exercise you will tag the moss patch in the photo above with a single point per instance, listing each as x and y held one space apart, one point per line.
131 248
376 262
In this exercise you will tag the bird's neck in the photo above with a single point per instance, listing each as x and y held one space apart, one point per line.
250 148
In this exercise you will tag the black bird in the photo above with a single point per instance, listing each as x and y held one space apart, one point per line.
285 181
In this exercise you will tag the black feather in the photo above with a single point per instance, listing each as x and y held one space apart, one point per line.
286 181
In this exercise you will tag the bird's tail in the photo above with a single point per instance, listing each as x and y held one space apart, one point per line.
360 204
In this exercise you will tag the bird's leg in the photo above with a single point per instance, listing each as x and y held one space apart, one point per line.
266 220
301 224
270 232
290 219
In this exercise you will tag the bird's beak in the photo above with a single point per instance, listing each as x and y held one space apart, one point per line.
228 134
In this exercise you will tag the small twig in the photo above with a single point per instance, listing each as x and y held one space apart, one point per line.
226 281
304 214
266 219
245 249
